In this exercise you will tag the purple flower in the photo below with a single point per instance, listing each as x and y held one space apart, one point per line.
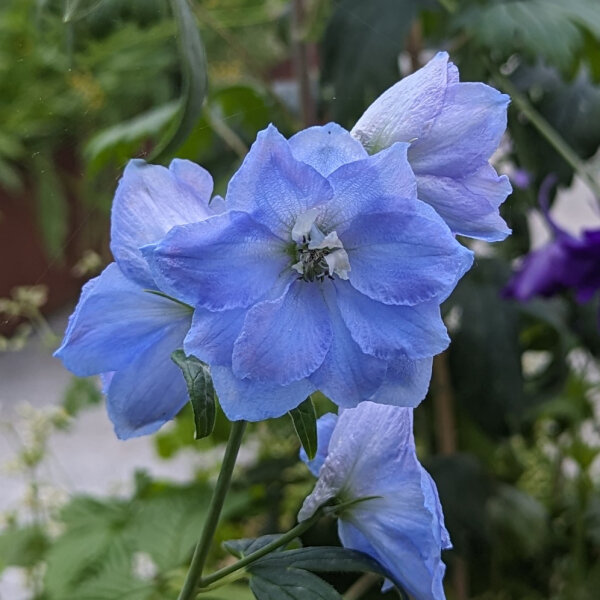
453 128
326 273
370 453
122 328
566 262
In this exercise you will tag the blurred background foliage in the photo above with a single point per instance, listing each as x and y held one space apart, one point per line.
510 431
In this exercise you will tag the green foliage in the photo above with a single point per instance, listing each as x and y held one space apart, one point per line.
304 418
551 29
360 52
193 64
200 390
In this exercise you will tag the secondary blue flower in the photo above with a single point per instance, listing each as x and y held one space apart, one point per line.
326 273
453 129
122 330
370 453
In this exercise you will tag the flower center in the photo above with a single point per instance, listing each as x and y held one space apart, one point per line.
318 255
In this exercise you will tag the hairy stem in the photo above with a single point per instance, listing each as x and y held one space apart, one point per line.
194 576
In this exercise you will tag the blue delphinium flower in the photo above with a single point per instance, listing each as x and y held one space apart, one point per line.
325 272
121 328
453 129
370 453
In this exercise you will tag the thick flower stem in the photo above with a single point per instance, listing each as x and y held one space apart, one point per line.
194 576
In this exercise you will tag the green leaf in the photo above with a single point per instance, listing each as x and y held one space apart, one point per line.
304 418
193 60
200 390
52 209
119 142
289 583
326 559
485 351
360 52
552 29
22 546
243 547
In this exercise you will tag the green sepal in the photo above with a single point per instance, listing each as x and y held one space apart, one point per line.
200 390
304 419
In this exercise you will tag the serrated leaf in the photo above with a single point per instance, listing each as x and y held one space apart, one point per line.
292 584
200 390
304 418
193 60
552 29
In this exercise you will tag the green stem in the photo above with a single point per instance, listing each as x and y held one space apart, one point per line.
194 575
547 131
286 538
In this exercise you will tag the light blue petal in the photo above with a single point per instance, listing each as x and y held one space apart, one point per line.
388 331
406 111
372 454
225 262
149 200
242 399
273 186
213 334
348 375
325 426
465 133
151 390
406 257
470 204
406 382
284 340
114 321
326 148
380 183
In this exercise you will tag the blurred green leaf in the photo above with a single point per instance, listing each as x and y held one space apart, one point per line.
552 29
360 52
22 546
485 357
193 60
519 522
304 419
200 390
80 393
52 209
571 107
289 583
118 143
243 547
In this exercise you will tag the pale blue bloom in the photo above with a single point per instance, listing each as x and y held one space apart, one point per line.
370 453
453 129
119 328
325 272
